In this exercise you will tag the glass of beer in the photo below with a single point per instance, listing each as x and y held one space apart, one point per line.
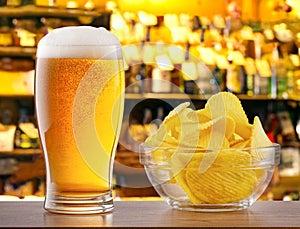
79 97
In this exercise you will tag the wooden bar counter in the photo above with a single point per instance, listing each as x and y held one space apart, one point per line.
263 214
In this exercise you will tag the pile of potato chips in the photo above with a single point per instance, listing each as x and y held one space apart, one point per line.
210 161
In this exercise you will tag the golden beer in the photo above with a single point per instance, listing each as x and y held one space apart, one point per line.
79 104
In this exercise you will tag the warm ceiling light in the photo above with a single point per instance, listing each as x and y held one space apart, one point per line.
162 7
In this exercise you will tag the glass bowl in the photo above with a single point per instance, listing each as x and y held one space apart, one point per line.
210 180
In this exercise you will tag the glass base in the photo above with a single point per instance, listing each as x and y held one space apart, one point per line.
188 206
79 205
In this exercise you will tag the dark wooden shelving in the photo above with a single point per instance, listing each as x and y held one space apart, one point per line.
37 11
21 152
182 96
17 51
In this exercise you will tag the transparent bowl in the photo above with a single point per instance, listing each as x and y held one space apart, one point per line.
210 180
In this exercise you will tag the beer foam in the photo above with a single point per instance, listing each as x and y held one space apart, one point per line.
80 42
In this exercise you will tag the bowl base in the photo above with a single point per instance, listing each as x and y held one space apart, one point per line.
188 206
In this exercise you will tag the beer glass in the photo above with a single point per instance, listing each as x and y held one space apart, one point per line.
79 96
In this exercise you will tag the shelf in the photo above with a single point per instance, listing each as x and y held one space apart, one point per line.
40 11
182 96
13 96
177 96
172 96
21 152
18 51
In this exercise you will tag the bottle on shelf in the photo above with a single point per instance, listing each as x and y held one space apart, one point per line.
161 80
26 135
7 130
177 56
295 58
6 38
25 31
161 73
13 2
250 74
27 2
263 81
45 2
220 71
290 74
219 76
159 117
176 79
189 73
279 73
134 76
233 77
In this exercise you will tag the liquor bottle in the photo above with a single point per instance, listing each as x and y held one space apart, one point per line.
262 76
161 74
295 59
26 135
6 38
27 2
189 73
161 80
290 74
7 130
263 80
250 74
177 56
148 59
135 78
177 79
219 76
220 71
160 116
155 123
141 76
279 72
13 2
190 76
233 81
243 79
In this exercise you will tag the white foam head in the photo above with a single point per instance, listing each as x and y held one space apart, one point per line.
79 42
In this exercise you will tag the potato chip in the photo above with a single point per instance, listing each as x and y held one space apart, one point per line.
216 137
176 111
180 122
161 138
228 104
221 174
179 161
203 115
181 181
240 143
228 186
258 138
181 126
224 125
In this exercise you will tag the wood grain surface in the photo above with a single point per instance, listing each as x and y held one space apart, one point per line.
263 214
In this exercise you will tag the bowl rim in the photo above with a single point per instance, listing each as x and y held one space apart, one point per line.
259 155
275 146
